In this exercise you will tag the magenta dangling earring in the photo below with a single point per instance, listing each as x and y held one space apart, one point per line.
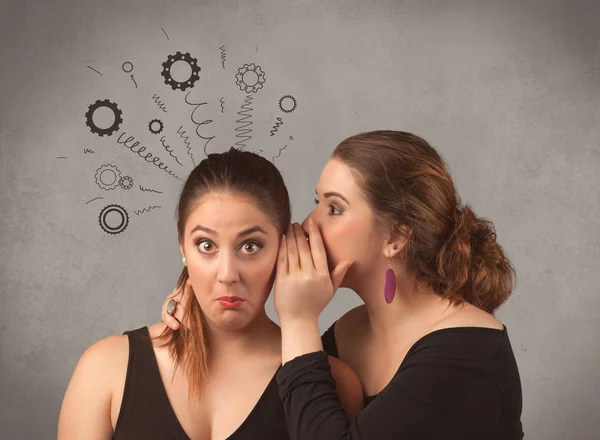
389 282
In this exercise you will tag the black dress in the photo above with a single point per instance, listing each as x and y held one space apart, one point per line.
457 383
146 412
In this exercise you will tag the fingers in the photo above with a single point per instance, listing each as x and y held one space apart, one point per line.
169 320
317 248
304 253
282 259
292 250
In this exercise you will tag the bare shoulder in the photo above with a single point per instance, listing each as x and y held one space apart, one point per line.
348 387
104 358
86 407
468 315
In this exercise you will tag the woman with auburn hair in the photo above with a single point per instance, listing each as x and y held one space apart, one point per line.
433 361
214 379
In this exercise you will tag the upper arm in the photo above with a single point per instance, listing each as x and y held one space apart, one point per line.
348 387
86 407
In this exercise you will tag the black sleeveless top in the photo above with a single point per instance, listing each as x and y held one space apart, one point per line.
146 413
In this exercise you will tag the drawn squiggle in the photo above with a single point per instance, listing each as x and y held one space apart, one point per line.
199 124
186 140
243 130
148 209
160 104
278 123
94 70
222 101
134 81
149 190
278 154
88 151
169 149
97 198
223 56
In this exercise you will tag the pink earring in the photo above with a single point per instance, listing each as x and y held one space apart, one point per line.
389 282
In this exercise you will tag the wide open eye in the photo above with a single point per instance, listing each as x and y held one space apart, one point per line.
251 247
206 246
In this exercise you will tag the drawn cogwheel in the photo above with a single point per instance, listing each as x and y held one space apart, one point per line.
155 130
287 104
126 182
108 177
89 117
112 228
250 78
192 62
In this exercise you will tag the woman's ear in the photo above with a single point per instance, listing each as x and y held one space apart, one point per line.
397 241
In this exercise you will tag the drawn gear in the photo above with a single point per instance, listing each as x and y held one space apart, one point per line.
126 182
192 62
160 126
286 109
250 88
113 229
89 117
108 169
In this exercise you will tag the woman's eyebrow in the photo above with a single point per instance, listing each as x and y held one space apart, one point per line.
335 194
240 234
204 229
251 230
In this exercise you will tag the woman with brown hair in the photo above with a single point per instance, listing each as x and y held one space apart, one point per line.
214 379
433 361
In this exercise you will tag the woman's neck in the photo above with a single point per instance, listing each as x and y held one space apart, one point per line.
414 308
260 336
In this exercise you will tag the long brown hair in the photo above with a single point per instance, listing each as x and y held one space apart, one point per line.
408 185
237 172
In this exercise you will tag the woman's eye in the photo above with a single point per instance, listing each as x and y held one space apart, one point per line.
206 246
333 210
251 248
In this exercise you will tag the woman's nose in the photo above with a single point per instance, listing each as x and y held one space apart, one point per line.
227 273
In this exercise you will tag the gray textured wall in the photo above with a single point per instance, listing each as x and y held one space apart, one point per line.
507 90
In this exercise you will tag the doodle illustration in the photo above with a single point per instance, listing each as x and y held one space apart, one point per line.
89 118
186 139
107 177
88 151
134 146
149 190
199 124
156 126
126 182
169 150
61 157
222 101
91 68
107 225
243 129
148 209
278 122
287 104
160 104
97 198
194 76
127 67
223 56
250 78
165 32
278 154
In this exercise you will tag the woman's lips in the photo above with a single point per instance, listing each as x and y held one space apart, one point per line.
230 302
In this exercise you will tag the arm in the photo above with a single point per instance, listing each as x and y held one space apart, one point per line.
424 400
86 407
